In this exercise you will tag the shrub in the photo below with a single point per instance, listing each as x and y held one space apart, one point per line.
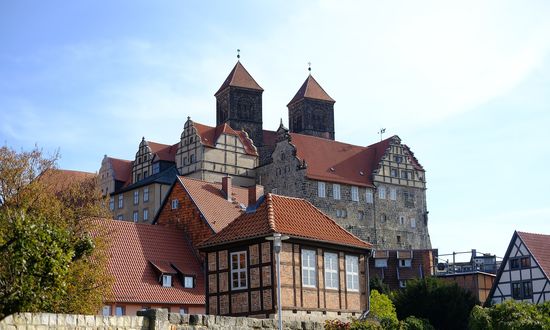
511 314
414 323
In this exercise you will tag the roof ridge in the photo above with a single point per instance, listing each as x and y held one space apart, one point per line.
270 212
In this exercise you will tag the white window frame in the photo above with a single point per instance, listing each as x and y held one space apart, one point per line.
355 193
120 201
309 269
402 284
175 204
188 282
369 197
136 197
321 191
331 270
381 263
240 271
382 192
405 263
413 223
352 273
145 214
135 216
166 280
336 191
393 194
146 194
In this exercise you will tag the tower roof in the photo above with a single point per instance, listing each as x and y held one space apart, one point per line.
311 90
239 77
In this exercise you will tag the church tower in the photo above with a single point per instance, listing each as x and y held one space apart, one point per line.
311 111
239 104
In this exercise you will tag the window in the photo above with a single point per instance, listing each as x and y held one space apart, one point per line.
139 160
361 215
408 199
136 197
119 310
341 213
146 194
336 191
112 203
402 283
398 238
413 223
238 270
321 189
166 281
516 290
175 204
106 310
381 192
183 311
145 214
156 167
401 220
308 268
520 262
383 218
394 172
119 217
331 270
355 194
404 263
514 263
405 175
191 159
145 174
525 262
138 177
135 217
352 273
393 194
188 282
527 289
120 201
368 196
380 263
398 159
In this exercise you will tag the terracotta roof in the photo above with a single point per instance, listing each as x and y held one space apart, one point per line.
311 90
335 161
211 201
294 217
539 246
164 151
122 169
239 77
60 180
134 246
209 135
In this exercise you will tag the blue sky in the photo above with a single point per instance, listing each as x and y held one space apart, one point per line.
464 84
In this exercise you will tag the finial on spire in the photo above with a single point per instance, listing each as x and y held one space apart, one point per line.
309 67
281 122
188 117
238 54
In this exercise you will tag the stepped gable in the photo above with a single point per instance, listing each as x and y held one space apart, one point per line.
539 246
209 135
290 216
138 251
213 204
311 90
239 77
334 161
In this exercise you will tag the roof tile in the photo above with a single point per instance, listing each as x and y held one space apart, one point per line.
239 77
539 246
311 90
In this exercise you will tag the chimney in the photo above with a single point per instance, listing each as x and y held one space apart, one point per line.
226 187
254 192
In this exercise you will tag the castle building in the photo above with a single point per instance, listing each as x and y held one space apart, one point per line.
378 192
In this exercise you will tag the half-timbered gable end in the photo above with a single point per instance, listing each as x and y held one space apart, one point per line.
524 272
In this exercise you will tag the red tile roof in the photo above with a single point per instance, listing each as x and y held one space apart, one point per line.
59 179
239 77
134 246
539 246
209 135
122 169
311 90
163 151
212 203
335 161
294 217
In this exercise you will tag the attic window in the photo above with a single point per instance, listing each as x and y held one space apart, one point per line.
188 282
166 281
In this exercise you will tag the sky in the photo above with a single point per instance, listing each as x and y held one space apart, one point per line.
465 84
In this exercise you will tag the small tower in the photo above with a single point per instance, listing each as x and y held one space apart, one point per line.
239 104
311 111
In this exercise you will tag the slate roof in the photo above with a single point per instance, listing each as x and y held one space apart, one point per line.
212 203
239 77
134 246
311 90
167 177
290 216
539 246
209 135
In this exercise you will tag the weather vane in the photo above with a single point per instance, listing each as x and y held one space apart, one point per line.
238 54
309 67
381 132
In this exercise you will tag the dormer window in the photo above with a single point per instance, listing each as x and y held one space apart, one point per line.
166 281
381 263
188 282
405 263
156 167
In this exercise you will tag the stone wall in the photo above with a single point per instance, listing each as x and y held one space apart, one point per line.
154 319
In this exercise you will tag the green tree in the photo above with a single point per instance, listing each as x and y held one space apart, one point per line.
52 257
511 314
376 283
444 305
381 307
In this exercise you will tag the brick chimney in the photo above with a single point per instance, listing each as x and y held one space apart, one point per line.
227 187
254 192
